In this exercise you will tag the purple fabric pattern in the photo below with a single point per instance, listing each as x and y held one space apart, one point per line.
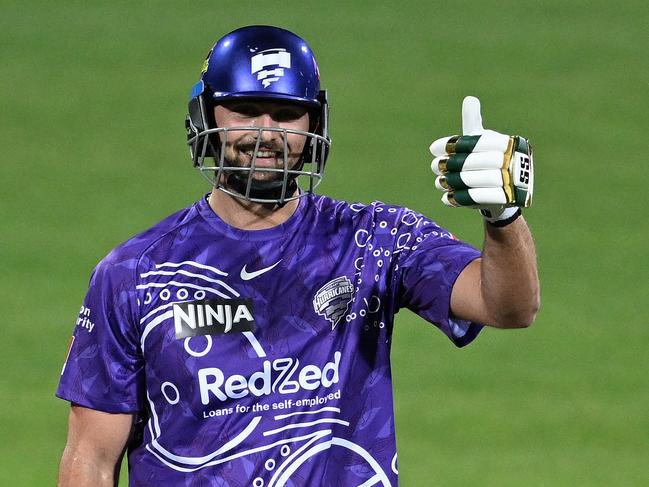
305 397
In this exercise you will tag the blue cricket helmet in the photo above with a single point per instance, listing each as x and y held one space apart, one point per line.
263 62
260 63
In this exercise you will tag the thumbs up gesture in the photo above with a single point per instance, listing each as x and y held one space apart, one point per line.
483 169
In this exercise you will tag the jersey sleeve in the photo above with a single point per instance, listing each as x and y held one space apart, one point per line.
104 369
426 272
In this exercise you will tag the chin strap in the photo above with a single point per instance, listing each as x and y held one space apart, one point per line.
267 190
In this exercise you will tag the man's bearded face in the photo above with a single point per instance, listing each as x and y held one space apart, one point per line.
240 144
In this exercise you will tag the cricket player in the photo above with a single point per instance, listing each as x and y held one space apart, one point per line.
245 340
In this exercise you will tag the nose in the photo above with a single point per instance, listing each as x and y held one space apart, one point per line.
265 121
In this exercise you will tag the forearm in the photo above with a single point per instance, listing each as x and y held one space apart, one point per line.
80 469
509 282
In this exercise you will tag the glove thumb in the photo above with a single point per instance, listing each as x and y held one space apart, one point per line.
471 117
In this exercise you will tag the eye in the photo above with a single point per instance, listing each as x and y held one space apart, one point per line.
289 114
246 109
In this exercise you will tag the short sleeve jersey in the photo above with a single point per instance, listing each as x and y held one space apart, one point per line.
261 358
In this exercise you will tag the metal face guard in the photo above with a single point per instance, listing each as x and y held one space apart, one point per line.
208 149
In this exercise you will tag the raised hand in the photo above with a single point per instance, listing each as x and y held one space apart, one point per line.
483 169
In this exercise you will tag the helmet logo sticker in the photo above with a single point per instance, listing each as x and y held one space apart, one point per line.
270 57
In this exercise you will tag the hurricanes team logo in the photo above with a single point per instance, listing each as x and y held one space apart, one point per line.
332 299
269 65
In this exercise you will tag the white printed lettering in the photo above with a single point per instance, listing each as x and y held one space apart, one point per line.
213 387
235 386
212 381
264 376
202 315
242 313
217 314
83 321
333 368
180 316
310 377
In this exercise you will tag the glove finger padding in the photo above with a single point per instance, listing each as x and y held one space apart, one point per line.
476 197
464 144
488 169
468 162
488 178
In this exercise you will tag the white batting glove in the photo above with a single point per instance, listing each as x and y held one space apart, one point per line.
484 169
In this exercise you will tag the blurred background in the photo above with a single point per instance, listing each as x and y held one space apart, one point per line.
93 98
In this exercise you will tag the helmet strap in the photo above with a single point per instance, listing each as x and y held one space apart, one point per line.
267 190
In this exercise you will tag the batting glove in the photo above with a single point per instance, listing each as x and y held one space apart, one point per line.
484 169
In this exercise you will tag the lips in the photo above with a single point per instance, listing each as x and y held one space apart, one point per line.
264 154
264 158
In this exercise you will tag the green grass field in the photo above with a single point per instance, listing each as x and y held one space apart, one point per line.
93 98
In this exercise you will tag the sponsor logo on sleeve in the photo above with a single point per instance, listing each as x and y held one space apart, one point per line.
213 317
83 320
332 299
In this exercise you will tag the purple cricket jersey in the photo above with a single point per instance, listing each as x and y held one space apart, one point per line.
261 358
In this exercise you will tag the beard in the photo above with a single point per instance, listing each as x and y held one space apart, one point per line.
270 160
267 180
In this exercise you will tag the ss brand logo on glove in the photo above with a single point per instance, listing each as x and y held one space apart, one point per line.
525 170
483 169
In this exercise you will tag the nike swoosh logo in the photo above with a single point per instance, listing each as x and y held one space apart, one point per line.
246 276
